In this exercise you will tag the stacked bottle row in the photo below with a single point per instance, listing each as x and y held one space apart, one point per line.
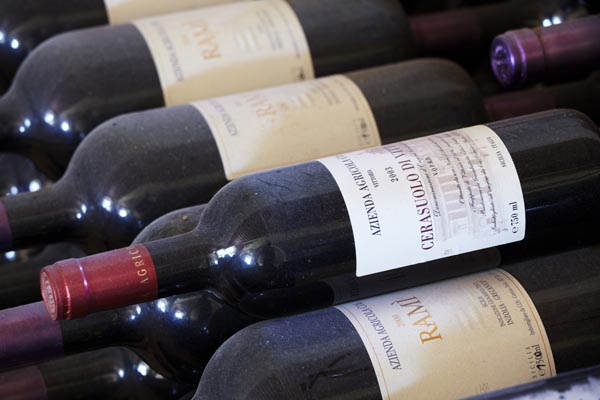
384 252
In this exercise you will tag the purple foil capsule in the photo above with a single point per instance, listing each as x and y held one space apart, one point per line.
557 52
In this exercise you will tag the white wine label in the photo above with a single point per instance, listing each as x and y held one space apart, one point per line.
120 11
283 125
430 198
215 51
454 338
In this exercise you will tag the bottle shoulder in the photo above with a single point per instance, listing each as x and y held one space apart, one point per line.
308 355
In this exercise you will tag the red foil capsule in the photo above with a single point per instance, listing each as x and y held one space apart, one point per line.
76 287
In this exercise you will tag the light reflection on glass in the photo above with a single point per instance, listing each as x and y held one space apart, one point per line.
143 368
228 252
248 259
35 185
162 305
107 204
49 118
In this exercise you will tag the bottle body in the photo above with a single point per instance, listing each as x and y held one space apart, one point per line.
335 360
568 385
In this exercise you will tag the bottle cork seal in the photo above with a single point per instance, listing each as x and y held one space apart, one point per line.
76 287
517 57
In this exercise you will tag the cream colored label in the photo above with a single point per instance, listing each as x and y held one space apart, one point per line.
454 338
215 51
120 11
283 125
430 198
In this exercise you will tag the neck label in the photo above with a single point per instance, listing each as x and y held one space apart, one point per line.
430 198
120 11
227 49
298 122
454 338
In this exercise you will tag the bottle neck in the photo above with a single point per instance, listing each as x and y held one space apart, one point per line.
76 287
582 96
181 263
100 330
23 384
28 334
94 375
15 122
30 128
20 279
46 216
529 55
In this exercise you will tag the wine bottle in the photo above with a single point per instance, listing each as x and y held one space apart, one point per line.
76 80
200 321
114 373
532 55
573 385
20 280
268 241
99 206
463 34
444 340
582 95
26 24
